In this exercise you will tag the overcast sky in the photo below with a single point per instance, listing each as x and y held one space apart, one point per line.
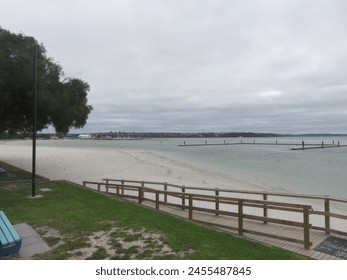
198 65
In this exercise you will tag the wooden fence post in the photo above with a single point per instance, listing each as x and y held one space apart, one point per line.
98 187
157 200
106 185
140 195
183 197
217 203
265 207
84 183
306 226
165 195
142 191
240 213
327 215
122 187
190 207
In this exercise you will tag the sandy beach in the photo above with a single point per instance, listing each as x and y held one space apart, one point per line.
79 164
93 164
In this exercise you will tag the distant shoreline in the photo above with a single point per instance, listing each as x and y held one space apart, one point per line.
146 135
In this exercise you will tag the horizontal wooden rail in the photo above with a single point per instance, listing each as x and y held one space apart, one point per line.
266 196
185 200
279 194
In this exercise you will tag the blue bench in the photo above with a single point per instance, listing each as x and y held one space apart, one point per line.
10 241
3 172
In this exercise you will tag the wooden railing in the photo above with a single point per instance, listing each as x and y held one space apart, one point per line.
187 197
324 209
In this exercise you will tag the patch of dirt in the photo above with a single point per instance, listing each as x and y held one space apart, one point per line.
51 235
117 243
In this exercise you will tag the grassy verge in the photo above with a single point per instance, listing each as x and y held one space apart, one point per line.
14 173
81 224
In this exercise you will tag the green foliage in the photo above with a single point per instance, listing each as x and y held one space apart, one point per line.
62 102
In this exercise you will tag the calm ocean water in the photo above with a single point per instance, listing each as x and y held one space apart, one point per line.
318 171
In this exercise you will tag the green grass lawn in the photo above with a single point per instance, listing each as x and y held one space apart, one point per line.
79 223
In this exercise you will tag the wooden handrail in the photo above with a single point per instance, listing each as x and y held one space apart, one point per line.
280 194
325 200
140 191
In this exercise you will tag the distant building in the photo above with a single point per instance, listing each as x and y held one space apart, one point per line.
84 136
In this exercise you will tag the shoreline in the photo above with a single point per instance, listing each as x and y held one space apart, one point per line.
83 163
77 164
283 172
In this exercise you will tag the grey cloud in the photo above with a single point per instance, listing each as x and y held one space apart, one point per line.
192 65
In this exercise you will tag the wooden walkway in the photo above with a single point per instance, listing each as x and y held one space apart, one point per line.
261 220
316 237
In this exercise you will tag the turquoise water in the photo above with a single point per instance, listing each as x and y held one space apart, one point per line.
318 171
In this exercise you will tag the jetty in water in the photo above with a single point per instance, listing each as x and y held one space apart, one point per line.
299 146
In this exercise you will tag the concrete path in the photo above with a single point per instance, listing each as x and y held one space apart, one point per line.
32 243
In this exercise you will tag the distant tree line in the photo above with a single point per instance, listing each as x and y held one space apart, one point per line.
105 135
143 135
180 134
62 101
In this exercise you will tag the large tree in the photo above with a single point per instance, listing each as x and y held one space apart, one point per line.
62 102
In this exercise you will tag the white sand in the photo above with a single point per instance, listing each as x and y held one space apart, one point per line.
93 164
80 164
